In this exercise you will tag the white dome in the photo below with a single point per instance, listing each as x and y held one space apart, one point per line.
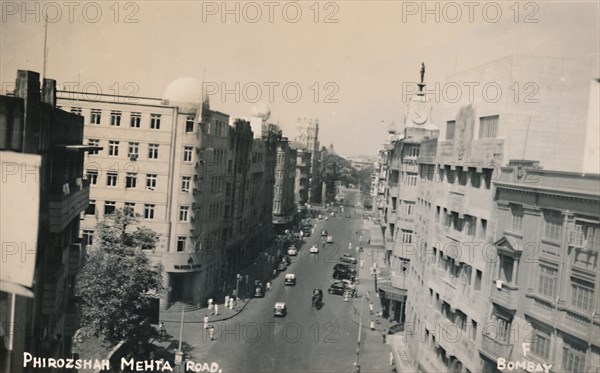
261 110
188 90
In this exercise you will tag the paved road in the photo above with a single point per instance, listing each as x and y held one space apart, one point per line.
306 340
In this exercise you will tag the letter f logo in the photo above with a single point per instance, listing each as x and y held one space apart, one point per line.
526 348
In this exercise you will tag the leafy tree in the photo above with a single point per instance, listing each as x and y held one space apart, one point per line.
116 279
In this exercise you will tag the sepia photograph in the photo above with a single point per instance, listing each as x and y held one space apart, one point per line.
311 186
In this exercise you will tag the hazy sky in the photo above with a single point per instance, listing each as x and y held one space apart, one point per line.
360 61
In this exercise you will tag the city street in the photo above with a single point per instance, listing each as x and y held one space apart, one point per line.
307 339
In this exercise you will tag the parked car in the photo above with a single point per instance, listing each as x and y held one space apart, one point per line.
281 266
348 259
344 275
314 249
340 288
280 309
324 233
287 260
329 239
290 279
259 291
292 251
343 266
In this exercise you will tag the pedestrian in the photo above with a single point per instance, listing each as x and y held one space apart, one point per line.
247 278
226 300
216 309
231 303
268 286
384 335
391 358
361 263
161 329
372 324
371 307
211 333
349 245
205 321
210 304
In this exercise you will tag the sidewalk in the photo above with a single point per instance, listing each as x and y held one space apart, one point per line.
374 353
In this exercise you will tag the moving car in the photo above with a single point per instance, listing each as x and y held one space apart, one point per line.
317 298
314 249
280 309
281 266
329 239
324 233
290 279
292 251
259 291
348 259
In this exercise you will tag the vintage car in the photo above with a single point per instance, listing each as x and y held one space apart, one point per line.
282 266
280 309
259 290
324 233
292 251
290 279
348 259
317 298
329 239
314 249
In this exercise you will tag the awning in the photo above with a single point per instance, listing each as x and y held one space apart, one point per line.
392 293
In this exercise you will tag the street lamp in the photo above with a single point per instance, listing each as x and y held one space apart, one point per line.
362 302
237 289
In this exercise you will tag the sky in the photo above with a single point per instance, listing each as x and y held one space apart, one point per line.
341 62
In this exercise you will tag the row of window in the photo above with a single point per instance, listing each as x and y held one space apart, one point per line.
488 127
131 180
148 212
133 150
583 234
135 119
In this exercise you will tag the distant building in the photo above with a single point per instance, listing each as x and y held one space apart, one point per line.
309 162
284 207
41 315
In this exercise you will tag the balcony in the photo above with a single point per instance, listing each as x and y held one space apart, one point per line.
67 202
505 295
495 349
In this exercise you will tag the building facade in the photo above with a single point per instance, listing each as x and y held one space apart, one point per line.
308 172
42 317
285 172
545 271
186 172
451 280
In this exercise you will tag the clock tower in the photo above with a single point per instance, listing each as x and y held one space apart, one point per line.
419 108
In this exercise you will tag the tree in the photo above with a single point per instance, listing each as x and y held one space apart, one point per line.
116 279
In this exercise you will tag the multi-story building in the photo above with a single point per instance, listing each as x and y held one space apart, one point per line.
39 315
168 161
450 278
308 172
397 199
544 272
285 172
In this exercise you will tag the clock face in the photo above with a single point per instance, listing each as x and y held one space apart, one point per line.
420 113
